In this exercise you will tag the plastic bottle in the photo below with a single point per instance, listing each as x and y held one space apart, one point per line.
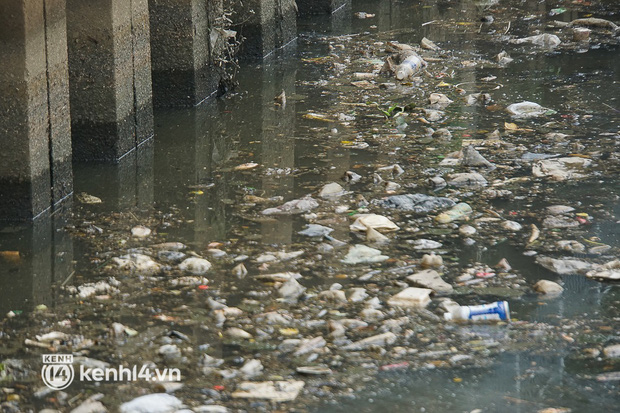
409 66
498 310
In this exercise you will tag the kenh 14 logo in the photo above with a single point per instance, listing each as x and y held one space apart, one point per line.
57 371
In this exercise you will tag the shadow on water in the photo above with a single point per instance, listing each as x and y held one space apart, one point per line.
189 170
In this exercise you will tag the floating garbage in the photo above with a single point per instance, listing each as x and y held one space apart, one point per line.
498 310
195 266
152 403
428 44
296 206
418 203
315 230
561 169
359 254
548 287
332 190
543 40
411 297
467 180
459 211
410 66
430 279
276 391
503 58
526 110
374 221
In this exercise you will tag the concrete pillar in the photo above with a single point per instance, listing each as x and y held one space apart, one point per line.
307 7
271 26
35 160
186 41
110 77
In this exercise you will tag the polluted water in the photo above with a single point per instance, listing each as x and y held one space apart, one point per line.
301 255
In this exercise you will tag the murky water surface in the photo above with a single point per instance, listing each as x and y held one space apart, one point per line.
184 186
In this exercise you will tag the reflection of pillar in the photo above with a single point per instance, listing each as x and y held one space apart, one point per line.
34 108
34 257
278 146
321 6
388 15
273 25
126 184
185 41
185 168
212 147
110 77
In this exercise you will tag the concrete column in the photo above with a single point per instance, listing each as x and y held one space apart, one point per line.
271 26
35 161
307 7
186 40
109 73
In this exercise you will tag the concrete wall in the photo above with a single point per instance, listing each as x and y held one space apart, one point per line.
35 167
109 75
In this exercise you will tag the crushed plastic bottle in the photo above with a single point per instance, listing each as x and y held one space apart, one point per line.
410 66
498 310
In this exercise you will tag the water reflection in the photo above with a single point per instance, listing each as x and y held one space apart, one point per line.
33 259
191 146
127 184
